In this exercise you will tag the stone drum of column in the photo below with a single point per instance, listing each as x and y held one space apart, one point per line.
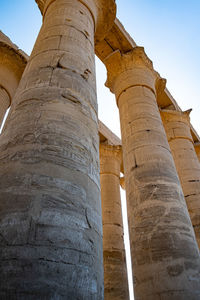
115 273
50 225
177 127
164 251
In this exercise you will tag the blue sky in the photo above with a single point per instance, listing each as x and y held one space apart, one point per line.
169 31
21 21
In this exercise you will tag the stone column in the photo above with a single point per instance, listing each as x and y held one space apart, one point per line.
4 103
177 127
164 251
51 226
115 272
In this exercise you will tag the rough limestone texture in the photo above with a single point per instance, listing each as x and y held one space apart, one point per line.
177 127
12 65
115 273
50 208
165 255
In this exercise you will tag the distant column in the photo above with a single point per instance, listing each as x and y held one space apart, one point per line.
4 103
165 255
177 127
115 271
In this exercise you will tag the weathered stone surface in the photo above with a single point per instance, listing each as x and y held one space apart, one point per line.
50 217
164 251
115 272
177 127
119 39
12 64
4 103
103 13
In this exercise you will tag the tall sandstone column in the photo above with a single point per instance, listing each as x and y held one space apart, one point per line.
164 251
50 224
4 103
115 272
177 127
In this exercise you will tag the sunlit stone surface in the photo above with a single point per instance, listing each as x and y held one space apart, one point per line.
115 274
50 206
162 239
177 127
50 226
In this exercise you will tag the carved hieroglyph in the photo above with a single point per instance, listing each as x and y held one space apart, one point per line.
115 273
177 127
165 255
50 226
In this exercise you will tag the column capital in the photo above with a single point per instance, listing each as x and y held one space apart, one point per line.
13 61
110 159
111 151
118 63
133 68
103 13
177 124
176 116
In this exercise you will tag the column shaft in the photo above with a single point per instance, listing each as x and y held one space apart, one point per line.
163 247
177 127
4 103
115 272
51 225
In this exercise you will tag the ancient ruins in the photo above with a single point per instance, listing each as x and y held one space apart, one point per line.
61 230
